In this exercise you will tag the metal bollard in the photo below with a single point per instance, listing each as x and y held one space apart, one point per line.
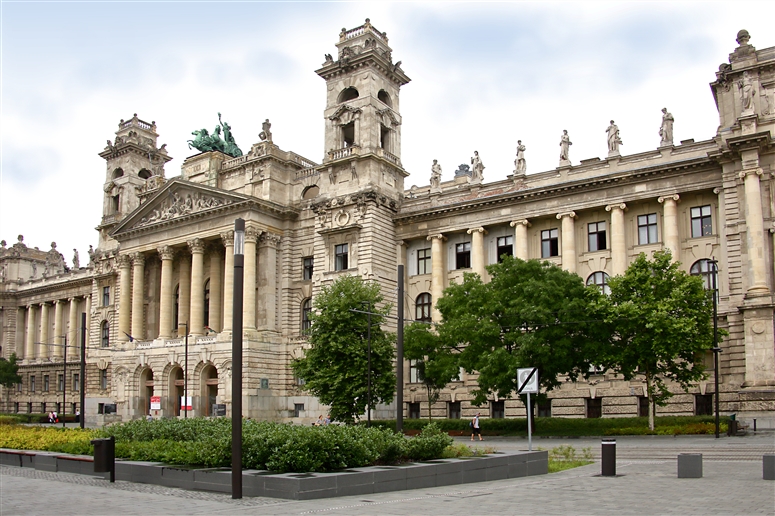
609 457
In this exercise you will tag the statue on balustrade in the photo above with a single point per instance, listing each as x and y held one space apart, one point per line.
520 165
206 142
565 144
435 176
666 130
477 168
614 140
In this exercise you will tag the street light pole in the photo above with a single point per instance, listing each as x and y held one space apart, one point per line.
64 380
400 353
716 348
185 375
236 359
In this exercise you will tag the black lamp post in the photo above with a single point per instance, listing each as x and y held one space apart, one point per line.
185 374
716 349
236 359
400 353
368 375
64 380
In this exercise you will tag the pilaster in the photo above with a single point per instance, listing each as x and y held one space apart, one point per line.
618 243
568 241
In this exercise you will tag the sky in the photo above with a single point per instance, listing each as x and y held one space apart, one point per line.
484 75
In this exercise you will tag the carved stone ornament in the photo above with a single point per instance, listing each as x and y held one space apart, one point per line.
177 206
228 238
196 245
166 252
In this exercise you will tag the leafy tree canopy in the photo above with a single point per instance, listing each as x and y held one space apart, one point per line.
9 372
531 314
436 364
662 323
335 367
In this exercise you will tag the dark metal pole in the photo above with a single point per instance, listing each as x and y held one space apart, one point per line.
236 360
64 382
185 379
83 370
400 353
716 348
368 396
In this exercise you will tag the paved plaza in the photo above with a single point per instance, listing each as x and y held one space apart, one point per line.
646 483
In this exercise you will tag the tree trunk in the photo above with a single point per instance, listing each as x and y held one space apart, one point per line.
651 402
430 406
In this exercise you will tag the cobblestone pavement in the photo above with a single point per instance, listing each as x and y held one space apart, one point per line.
644 486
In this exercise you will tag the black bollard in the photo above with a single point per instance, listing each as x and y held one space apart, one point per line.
609 457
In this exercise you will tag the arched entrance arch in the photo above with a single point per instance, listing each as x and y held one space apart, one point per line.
209 389
176 385
145 391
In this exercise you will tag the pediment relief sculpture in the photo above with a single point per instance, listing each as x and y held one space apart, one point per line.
345 115
179 204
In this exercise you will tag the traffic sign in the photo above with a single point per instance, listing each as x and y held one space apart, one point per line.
525 385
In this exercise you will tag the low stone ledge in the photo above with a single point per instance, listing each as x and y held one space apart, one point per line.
301 486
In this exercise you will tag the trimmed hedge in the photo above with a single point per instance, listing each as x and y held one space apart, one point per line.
47 438
560 426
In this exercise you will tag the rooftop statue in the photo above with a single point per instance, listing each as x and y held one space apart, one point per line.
206 142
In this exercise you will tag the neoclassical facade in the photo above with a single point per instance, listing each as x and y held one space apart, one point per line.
161 277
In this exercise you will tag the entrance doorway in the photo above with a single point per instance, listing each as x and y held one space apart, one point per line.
209 395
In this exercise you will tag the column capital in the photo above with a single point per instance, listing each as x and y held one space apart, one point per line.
166 252
44 303
571 214
437 235
269 239
196 245
522 222
72 298
138 259
477 230
123 261
252 234
672 197
618 206
228 238
745 173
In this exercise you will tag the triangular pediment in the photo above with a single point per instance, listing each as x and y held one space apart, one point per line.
178 199
345 111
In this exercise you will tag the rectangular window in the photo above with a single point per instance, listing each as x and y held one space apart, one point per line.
498 409
550 243
103 379
32 383
597 236
701 221
16 407
703 404
594 407
76 382
29 407
463 255
18 387
424 261
545 408
647 229
60 382
414 411
453 410
298 408
340 257
414 376
100 408
505 246
105 296
643 406
308 264
43 407
45 383
299 380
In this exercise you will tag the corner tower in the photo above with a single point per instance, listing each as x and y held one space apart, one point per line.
362 113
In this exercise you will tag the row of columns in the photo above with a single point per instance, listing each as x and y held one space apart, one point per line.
191 280
50 345
617 238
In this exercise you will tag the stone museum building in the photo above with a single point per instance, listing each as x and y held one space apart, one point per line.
160 279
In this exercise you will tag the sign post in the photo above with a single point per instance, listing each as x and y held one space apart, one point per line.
527 379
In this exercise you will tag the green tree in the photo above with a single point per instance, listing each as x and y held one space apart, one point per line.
9 375
436 364
662 324
531 314
335 367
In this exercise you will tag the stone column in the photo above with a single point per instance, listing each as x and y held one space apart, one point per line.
166 301
44 346
755 224
18 347
184 292
267 280
88 320
216 305
228 279
249 294
125 298
670 220
618 244
138 292
437 272
72 330
58 339
197 248
477 250
520 238
29 343
568 241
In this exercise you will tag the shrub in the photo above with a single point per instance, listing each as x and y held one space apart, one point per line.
48 438
430 444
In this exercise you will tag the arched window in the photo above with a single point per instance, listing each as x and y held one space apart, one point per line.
385 98
118 173
310 192
207 303
306 308
105 334
348 94
600 279
422 307
704 269
144 174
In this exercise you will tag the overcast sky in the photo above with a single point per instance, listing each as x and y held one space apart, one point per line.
483 76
